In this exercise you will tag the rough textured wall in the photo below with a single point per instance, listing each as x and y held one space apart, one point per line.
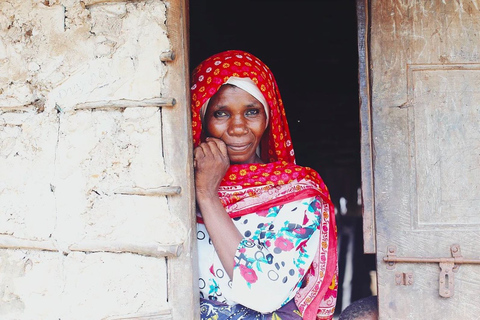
64 162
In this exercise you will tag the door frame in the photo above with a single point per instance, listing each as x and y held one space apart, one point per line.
366 146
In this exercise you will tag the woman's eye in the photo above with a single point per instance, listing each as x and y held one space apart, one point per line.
252 112
219 114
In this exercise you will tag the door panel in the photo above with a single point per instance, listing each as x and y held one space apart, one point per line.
424 77
445 146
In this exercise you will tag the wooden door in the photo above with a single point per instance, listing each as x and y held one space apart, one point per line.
421 136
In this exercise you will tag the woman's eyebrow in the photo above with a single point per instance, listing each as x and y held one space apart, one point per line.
254 104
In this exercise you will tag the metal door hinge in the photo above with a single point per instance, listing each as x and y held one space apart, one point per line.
447 268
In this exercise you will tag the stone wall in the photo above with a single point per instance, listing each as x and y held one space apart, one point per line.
80 158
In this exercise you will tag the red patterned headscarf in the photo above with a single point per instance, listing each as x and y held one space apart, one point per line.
212 73
276 147
248 188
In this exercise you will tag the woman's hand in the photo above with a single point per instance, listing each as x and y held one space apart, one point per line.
211 162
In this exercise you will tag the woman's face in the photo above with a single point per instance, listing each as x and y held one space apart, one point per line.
238 119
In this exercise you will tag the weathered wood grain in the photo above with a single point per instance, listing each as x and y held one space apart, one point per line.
424 78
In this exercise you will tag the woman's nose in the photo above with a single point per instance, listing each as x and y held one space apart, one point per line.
238 126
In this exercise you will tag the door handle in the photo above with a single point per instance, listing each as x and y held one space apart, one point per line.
447 266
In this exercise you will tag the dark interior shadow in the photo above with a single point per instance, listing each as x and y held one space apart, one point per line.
311 48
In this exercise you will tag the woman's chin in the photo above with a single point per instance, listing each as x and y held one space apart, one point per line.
242 159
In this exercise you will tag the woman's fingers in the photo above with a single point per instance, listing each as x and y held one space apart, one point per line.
198 152
213 147
211 156
211 162
222 147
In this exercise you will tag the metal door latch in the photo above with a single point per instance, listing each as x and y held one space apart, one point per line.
404 278
447 267
445 280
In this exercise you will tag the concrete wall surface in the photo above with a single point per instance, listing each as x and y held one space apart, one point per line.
77 241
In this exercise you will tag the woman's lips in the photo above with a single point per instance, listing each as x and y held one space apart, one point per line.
239 147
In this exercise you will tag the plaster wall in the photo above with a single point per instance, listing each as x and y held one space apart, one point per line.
62 167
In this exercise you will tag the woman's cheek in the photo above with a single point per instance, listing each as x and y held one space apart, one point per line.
215 131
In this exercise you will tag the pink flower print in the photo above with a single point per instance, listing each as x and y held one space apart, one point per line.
302 246
262 213
300 231
283 244
305 219
248 274
332 289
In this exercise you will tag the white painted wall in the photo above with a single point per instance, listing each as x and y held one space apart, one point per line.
60 167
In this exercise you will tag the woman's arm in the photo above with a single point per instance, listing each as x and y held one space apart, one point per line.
211 163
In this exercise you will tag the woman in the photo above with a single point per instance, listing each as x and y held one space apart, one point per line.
266 231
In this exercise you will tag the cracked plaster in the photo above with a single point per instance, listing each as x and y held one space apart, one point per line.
59 167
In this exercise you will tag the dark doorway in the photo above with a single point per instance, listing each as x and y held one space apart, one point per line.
311 48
